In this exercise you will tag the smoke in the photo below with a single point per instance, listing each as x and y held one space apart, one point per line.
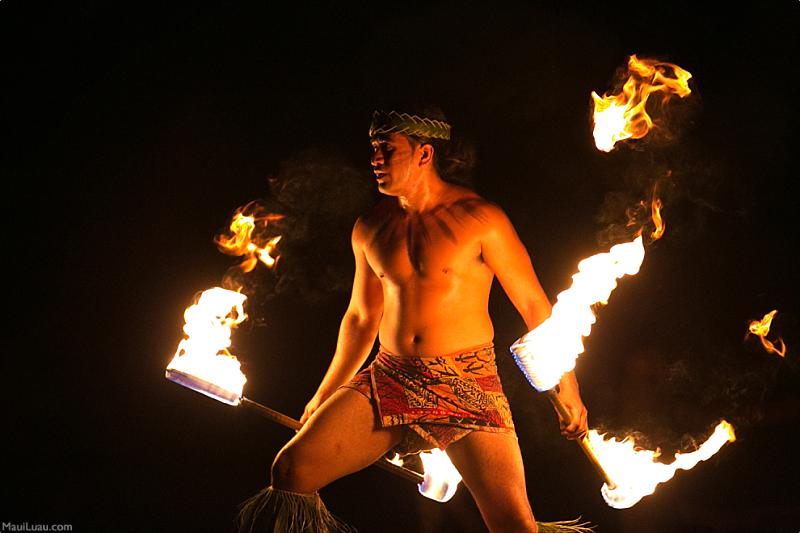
319 195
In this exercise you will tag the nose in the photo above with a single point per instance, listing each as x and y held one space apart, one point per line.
377 157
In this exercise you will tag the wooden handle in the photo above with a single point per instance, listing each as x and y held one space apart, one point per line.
583 442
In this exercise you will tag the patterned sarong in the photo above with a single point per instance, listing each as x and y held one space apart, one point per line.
440 398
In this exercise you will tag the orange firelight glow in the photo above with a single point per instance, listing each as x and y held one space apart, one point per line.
636 472
623 116
244 242
761 327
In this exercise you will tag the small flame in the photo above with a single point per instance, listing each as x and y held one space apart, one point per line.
550 350
623 116
660 227
204 352
636 472
441 478
761 327
243 242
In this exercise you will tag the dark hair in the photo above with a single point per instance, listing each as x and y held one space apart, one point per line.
454 160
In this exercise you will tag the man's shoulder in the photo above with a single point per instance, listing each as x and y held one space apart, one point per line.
479 207
376 215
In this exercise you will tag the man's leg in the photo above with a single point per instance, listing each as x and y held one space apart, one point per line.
491 465
341 437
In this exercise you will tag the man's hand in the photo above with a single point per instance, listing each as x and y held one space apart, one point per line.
312 406
578 423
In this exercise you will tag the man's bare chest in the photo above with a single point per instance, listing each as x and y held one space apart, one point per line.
431 245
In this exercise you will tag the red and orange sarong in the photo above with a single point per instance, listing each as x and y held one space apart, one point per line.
440 398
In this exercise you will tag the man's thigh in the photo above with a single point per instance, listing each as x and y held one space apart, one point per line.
491 465
340 438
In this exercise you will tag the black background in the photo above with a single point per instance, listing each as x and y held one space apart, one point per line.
132 132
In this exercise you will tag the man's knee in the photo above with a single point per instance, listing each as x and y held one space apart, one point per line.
290 472
508 515
512 522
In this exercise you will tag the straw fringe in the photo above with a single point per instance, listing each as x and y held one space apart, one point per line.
565 526
280 511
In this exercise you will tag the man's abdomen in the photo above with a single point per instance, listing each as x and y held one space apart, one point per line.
419 325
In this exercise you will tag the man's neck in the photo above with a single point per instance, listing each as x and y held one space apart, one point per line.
430 193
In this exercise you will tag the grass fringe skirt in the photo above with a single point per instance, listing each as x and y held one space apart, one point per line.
281 511
565 526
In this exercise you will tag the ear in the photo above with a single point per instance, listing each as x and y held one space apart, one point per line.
425 154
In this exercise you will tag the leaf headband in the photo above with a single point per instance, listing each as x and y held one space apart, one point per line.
393 122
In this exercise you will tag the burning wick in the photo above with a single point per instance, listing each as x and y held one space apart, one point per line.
441 478
760 328
549 351
636 472
623 116
202 361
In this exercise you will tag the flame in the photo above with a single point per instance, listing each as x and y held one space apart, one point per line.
441 478
623 116
204 352
761 327
636 472
660 227
550 350
243 242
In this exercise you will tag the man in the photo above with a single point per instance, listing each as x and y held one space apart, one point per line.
425 260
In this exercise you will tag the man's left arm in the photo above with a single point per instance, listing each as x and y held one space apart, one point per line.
507 257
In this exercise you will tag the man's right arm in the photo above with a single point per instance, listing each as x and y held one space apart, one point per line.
358 329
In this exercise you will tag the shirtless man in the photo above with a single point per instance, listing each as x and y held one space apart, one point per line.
425 259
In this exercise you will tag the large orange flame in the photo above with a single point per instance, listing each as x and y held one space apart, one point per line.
549 351
204 354
441 478
761 327
623 116
636 472
245 241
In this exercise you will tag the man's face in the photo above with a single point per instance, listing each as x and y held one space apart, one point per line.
394 161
